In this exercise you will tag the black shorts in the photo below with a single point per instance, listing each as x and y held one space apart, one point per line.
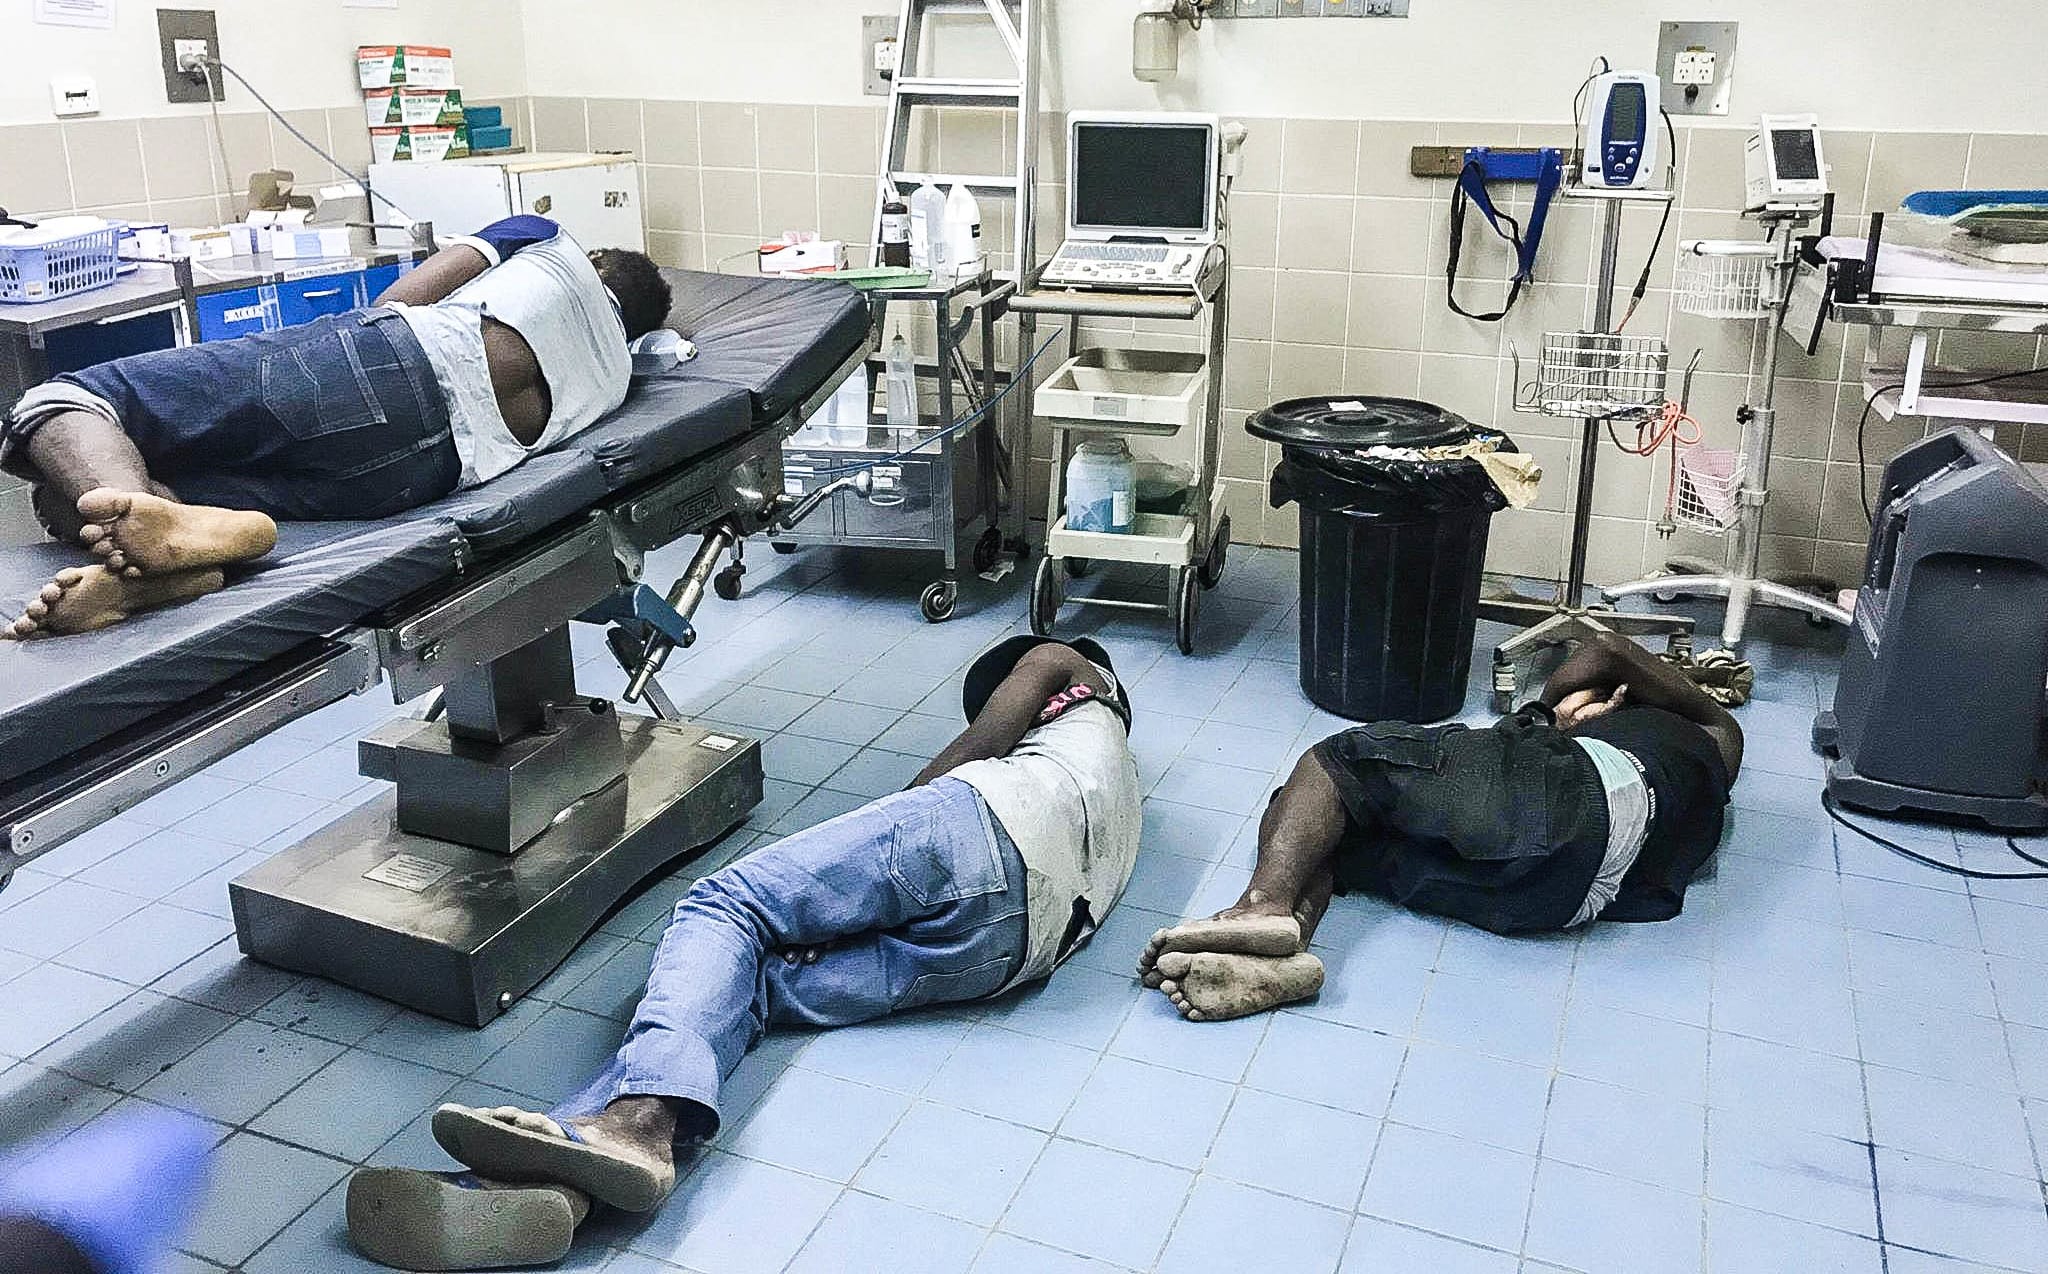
1504 828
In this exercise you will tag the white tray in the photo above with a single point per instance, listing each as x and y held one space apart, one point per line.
1126 391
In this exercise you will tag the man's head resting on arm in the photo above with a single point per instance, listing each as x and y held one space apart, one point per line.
635 281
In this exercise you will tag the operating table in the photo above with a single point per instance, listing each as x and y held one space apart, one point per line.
522 810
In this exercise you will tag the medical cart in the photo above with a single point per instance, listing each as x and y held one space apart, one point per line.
929 489
1137 393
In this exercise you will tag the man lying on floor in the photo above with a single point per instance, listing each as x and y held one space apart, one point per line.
994 866
170 465
1599 801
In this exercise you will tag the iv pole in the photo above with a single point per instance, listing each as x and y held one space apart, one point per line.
1568 618
1744 585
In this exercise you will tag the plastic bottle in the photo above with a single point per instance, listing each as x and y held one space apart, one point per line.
963 232
1102 484
928 228
895 231
850 407
899 389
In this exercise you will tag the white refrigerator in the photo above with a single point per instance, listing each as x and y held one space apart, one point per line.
596 198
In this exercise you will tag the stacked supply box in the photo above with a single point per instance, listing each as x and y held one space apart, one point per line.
411 103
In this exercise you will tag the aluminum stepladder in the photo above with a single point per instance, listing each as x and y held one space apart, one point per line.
1014 25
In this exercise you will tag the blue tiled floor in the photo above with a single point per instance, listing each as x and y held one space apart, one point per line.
1833 1061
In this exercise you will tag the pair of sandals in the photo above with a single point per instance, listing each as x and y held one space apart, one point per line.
533 1184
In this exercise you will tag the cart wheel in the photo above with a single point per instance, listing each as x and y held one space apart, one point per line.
938 601
782 548
1045 597
1079 567
1219 548
1187 608
988 550
727 582
1668 599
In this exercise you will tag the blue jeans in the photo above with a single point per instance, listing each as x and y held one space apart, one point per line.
339 418
915 899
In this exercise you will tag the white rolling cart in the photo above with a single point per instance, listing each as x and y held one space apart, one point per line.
1138 393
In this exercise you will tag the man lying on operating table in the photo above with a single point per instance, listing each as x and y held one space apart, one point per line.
1598 802
996 864
170 465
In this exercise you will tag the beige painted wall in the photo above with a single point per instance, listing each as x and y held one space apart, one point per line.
299 53
1969 65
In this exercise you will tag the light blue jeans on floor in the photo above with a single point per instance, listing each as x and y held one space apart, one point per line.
915 899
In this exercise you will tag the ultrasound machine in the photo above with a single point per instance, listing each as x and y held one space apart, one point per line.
1141 202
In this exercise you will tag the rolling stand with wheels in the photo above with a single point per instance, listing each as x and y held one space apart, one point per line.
1137 393
930 489
1596 376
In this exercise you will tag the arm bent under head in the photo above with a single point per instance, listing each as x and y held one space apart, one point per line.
1608 660
1013 709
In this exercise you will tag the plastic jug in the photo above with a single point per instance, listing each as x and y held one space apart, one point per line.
899 388
928 228
1102 484
963 232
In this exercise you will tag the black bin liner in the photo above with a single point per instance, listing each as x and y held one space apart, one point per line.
1391 551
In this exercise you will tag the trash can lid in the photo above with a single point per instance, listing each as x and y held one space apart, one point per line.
1351 421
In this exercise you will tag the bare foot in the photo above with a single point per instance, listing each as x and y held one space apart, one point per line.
1207 987
1253 927
82 598
140 532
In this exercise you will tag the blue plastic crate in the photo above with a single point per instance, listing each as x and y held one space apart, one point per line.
46 271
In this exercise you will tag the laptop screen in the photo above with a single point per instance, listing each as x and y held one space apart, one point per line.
1140 178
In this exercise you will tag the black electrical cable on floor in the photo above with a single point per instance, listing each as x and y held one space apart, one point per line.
1827 801
1870 405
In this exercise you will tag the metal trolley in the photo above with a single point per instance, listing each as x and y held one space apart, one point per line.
925 493
1191 545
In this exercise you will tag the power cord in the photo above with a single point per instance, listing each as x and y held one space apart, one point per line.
205 68
1827 801
1663 224
1870 405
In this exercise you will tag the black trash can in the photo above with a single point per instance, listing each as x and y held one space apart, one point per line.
1391 551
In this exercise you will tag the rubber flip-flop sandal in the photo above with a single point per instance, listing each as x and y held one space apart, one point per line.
414 1220
498 1149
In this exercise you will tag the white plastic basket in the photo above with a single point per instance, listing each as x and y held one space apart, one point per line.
1600 375
59 267
1709 487
1722 284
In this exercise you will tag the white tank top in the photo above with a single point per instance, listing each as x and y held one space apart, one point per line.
550 294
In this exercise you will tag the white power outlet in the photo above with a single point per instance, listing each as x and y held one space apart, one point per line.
191 56
1694 66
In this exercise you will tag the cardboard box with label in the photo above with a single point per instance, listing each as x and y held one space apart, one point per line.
413 106
427 143
411 65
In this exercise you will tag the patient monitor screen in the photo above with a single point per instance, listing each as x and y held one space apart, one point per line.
1793 155
1141 177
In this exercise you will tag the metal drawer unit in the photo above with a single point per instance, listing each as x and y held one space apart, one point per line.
929 499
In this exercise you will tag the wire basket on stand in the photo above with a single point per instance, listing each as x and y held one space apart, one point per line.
1596 375
1724 280
1709 489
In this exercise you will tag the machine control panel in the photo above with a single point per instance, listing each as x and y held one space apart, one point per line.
1126 266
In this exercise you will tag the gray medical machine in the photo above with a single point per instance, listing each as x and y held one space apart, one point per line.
1943 700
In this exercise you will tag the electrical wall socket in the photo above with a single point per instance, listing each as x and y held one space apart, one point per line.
878 48
182 35
1697 63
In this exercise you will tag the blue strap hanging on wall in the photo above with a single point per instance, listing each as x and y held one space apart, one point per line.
1545 167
